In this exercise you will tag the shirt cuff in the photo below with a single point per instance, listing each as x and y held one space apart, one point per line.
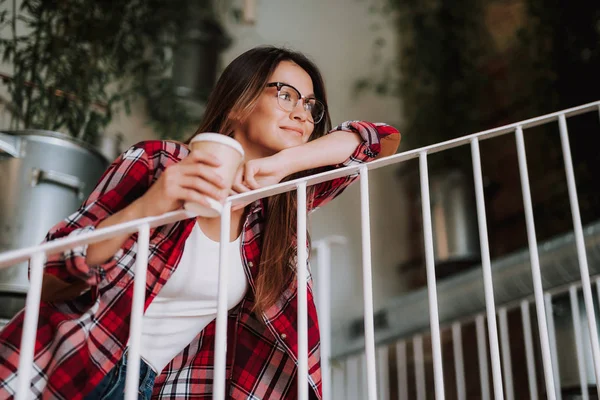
74 265
369 148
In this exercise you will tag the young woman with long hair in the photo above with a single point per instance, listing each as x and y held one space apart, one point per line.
272 101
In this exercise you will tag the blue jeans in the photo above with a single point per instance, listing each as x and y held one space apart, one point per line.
112 387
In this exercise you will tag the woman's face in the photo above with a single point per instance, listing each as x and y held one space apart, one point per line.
269 128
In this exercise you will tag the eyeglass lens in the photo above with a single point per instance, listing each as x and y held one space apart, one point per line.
288 99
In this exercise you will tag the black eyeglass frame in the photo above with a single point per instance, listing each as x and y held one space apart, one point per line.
304 99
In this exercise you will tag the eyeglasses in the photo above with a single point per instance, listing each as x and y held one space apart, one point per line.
288 98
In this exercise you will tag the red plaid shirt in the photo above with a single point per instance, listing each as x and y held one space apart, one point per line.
78 342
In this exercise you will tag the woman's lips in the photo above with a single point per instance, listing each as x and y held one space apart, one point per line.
293 129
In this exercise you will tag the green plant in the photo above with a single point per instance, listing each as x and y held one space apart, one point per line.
437 72
77 64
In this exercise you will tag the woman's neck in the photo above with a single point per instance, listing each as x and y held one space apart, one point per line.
212 226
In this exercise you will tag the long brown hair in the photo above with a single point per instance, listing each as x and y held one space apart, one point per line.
236 93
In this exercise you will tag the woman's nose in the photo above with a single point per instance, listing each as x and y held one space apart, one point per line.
299 113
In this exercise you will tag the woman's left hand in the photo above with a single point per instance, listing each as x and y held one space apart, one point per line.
262 172
258 173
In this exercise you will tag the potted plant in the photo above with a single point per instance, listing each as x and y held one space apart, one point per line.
70 67
75 65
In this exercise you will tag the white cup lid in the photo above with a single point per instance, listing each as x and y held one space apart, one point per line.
219 138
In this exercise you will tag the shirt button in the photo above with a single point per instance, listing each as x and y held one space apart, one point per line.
251 264
283 336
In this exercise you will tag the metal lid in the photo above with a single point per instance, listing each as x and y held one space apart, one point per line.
58 135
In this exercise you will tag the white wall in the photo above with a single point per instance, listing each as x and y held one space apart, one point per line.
336 35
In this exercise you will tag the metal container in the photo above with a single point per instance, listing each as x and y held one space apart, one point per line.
454 220
44 177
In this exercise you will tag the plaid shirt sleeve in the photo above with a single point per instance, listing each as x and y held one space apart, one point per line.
127 178
378 140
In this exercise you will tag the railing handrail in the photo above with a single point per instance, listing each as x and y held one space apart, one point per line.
15 256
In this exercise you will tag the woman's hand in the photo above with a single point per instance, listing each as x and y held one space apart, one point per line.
265 171
192 179
258 173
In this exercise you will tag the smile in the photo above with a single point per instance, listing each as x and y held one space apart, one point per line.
294 130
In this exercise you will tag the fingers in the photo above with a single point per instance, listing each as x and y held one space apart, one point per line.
207 174
240 188
204 187
192 196
238 182
249 177
202 157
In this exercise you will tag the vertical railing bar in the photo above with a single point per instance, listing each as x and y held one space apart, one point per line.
506 359
434 321
345 379
535 266
338 382
302 295
419 367
486 264
598 290
402 369
578 342
528 336
367 283
459 367
353 378
32 307
581 253
384 373
137 311
552 341
324 286
221 323
364 376
482 356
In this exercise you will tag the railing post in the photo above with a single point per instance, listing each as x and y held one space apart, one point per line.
302 295
222 311
531 375
353 378
506 359
482 357
586 285
459 367
535 266
137 311
434 321
419 367
32 307
323 249
578 341
552 341
486 264
384 372
324 272
367 284
401 366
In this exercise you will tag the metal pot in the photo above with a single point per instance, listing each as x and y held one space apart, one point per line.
455 230
44 177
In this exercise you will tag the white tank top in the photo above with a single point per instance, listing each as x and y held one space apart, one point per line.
187 303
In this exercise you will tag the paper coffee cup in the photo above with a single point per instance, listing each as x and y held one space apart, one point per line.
231 154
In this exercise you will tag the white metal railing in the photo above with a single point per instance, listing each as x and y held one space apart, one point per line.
347 382
37 255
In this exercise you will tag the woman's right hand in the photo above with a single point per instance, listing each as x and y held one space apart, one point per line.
192 179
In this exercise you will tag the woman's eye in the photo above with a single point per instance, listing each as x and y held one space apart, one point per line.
285 96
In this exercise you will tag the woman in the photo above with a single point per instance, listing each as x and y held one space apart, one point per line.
273 102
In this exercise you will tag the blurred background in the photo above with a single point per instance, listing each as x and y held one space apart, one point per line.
81 81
